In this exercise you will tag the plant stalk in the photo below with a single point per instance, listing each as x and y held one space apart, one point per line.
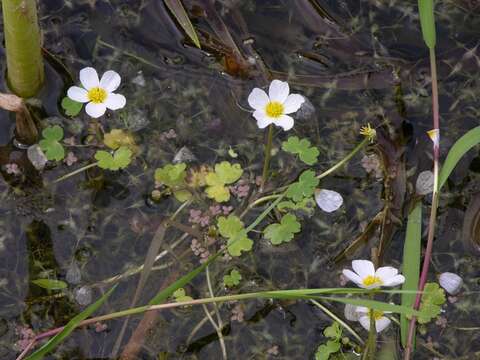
25 70
433 212
268 155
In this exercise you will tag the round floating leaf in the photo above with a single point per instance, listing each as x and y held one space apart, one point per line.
50 144
120 159
71 107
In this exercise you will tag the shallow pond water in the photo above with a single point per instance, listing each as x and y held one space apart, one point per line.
355 62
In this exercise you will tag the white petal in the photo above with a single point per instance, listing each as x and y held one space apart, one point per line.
78 94
396 280
351 312
363 268
278 91
386 273
382 323
89 78
258 99
284 121
452 283
293 103
115 101
262 119
328 200
361 310
95 110
110 81
365 322
350 275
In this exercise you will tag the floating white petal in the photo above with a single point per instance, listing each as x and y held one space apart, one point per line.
424 184
328 200
452 283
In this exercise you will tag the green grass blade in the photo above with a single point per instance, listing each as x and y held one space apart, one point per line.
71 325
184 280
177 9
461 146
427 21
411 263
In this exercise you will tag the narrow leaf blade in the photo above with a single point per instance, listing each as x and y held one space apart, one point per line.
461 146
71 325
411 263
177 9
427 21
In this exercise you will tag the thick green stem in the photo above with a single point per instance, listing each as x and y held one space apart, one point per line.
268 155
22 41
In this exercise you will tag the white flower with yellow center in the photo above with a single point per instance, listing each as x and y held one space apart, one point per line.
275 107
381 321
366 277
99 94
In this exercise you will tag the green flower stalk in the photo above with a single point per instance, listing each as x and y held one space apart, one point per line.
25 69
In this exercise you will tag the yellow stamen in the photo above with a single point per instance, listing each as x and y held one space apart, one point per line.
97 95
372 280
368 132
377 314
274 109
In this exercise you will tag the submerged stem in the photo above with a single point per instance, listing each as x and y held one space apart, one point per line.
75 172
268 155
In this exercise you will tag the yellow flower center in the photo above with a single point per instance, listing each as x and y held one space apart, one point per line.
274 109
377 314
97 95
372 280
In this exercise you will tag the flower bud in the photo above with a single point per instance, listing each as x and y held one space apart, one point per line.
451 282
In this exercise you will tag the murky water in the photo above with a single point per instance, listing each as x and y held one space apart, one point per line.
355 61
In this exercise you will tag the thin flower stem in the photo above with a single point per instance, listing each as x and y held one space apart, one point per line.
86 167
219 326
268 155
433 212
338 320
345 159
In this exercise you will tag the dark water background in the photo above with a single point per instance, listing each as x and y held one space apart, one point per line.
355 61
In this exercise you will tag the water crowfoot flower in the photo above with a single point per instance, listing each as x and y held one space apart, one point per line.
98 94
275 107
381 321
366 277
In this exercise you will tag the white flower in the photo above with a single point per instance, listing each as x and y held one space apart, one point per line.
452 283
328 200
274 107
99 94
366 277
381 321
350 312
